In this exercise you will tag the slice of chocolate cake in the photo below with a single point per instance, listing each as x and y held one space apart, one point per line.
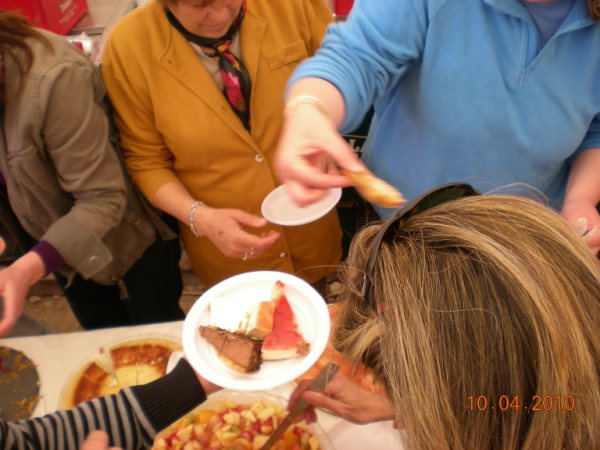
241 352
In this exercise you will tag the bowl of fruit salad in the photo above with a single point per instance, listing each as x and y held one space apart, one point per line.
239 421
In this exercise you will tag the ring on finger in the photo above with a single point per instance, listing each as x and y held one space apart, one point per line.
246 255
250 252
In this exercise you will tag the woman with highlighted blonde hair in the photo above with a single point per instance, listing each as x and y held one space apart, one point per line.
480 317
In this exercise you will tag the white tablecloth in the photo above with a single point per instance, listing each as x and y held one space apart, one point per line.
58 356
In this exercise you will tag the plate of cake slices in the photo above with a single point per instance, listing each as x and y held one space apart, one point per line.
256 331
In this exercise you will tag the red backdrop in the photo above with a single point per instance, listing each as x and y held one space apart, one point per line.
342 7
58 16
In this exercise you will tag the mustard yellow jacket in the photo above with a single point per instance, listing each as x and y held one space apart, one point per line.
176 124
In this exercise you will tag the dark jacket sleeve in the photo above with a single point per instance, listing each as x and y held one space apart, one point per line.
167 399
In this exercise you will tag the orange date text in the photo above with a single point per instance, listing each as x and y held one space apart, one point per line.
513 403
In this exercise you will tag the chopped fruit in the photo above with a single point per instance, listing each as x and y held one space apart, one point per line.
249 433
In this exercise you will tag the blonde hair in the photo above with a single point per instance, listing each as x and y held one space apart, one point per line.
490 298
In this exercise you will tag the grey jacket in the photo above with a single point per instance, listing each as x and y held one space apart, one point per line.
66 183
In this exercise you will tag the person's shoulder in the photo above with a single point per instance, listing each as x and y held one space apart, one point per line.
140 35
142 21
58 71
53 46
51 51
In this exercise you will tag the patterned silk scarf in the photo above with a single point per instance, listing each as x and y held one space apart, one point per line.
236 81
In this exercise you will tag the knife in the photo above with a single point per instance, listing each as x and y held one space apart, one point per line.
317 385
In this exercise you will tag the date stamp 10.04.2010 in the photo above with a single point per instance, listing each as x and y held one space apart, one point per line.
506 403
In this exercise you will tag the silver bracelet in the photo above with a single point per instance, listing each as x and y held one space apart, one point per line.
191 217
305 100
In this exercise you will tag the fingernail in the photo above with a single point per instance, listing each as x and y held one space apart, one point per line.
581 226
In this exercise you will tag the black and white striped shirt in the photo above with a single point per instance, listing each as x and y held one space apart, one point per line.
131 418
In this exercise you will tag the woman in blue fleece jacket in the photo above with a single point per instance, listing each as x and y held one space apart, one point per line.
492 92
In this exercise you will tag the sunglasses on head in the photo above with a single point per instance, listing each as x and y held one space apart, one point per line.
435 197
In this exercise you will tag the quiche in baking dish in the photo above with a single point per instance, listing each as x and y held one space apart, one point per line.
125 364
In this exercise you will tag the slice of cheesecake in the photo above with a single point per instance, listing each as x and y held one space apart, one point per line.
284 340
238 351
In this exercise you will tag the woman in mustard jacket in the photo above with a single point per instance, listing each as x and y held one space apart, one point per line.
197 87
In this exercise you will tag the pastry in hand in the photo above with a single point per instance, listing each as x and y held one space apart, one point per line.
374 189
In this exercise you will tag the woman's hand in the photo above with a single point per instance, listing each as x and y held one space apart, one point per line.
582 195
97 440
223 226
310 146
226 229
209 388
15 281
344 398
583 216
307 151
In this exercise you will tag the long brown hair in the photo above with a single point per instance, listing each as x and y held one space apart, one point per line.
14 31
490 305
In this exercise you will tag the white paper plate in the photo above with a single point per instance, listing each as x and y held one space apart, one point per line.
236 295
375 436
278 207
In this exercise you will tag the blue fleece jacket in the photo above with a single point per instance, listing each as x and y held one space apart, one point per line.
461 92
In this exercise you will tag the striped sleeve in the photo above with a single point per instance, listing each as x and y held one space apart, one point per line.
67 429
131 418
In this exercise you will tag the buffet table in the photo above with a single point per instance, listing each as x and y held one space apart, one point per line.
58 356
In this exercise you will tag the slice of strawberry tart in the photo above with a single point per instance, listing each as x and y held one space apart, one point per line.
284 340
